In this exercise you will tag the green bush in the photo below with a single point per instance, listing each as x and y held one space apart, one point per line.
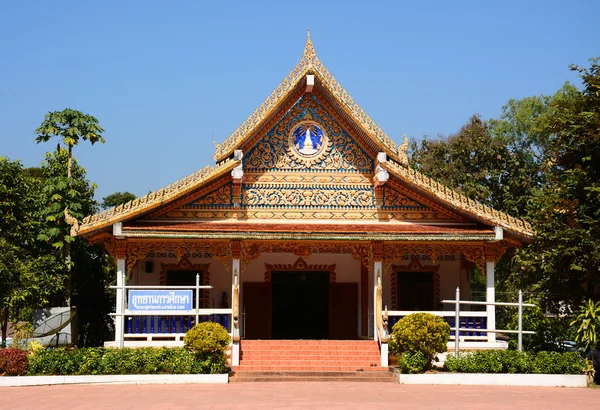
208 341
420 332
13 362
98 360
508 361
412 362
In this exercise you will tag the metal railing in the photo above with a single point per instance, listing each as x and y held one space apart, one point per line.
457 329
167 324
470 320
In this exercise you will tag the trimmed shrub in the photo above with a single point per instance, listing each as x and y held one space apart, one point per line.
97 360
208 342
13 362
412 362
420 332
509 361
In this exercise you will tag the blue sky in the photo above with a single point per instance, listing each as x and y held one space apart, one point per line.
165 78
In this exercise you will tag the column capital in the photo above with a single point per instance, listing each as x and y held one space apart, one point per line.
236 249
121 249
494 251
377 249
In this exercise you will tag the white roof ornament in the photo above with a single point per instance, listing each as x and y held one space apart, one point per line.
310 83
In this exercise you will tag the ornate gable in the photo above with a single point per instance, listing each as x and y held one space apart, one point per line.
282 148
310 153
308 166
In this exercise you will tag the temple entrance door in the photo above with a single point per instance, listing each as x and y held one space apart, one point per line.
343 311
300 305
257 310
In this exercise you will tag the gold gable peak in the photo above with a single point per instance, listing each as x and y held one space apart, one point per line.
310 64
309 49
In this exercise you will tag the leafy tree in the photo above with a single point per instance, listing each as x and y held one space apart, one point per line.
116 199
88 279
61 193
565 258
467 161
588 325
70 125
29 275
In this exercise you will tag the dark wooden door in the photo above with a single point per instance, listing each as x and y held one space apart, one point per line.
343 311
257 310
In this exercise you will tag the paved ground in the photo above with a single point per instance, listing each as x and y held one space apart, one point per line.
308 395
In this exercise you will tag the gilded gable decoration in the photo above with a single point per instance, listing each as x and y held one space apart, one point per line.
309 64
283 147
308 142
299 266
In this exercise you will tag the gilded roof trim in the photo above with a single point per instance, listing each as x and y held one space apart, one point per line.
154 199
309 63
460 201
309 236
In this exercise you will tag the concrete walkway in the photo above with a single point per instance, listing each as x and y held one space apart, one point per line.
308 395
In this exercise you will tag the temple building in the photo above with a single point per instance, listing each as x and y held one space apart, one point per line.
311 225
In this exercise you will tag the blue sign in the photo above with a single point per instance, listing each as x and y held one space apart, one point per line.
160 299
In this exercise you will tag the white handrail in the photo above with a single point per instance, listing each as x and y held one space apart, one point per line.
457 302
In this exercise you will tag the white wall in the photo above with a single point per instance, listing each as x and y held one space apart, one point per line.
451 277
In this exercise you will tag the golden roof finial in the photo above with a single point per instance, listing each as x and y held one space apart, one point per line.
309 49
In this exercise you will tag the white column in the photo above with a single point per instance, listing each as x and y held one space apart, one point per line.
120 302
377 272
235 303
490 296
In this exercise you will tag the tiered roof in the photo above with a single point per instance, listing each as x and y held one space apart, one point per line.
362 123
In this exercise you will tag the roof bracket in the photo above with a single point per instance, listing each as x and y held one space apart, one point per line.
237 175
499 233
310 83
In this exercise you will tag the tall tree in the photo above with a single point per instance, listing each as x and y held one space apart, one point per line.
29 274
88 279
118 198
70 125
471 161
565 258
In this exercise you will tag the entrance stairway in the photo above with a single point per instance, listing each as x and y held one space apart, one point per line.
310 360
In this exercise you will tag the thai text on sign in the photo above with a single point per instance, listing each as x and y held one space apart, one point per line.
160 300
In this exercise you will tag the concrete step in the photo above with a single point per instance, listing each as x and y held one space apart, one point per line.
320 366
301 376
307 342
312 353
313 363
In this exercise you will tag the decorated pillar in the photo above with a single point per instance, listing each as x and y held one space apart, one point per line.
121 294
377 250
236 251
490 293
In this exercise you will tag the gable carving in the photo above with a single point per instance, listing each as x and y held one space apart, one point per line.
341 152
307 166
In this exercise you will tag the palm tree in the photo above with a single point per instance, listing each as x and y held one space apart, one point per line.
70 125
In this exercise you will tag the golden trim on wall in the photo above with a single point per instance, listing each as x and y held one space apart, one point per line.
299 266
141 249
252 250
416 266
186 264
472 252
